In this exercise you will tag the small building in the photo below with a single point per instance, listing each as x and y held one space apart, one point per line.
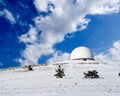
81 53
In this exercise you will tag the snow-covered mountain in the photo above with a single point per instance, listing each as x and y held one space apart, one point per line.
42 82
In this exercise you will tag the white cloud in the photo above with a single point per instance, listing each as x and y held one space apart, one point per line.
104 6
8 15
59 56
113 54
34 49
29 37
66 18
33 52
41 5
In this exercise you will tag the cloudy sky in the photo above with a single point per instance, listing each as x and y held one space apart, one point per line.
44 31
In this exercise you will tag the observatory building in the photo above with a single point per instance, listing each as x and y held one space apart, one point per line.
81 53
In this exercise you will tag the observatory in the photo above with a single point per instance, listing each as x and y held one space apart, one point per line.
81 53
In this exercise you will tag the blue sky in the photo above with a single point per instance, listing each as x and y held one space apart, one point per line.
44 31
100 34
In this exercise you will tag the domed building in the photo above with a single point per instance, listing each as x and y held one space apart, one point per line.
81 53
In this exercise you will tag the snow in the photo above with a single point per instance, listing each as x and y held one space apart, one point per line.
42 82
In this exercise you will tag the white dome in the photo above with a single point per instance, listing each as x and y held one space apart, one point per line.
81 53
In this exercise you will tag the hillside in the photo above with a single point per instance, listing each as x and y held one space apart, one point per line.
42 82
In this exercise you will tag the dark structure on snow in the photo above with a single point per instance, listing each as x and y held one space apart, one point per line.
60 72
30 68
91 74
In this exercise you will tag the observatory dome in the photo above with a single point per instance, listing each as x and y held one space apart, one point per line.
81 53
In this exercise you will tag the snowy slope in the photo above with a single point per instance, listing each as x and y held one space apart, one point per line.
41 82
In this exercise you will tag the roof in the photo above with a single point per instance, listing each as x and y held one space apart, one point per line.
81 53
